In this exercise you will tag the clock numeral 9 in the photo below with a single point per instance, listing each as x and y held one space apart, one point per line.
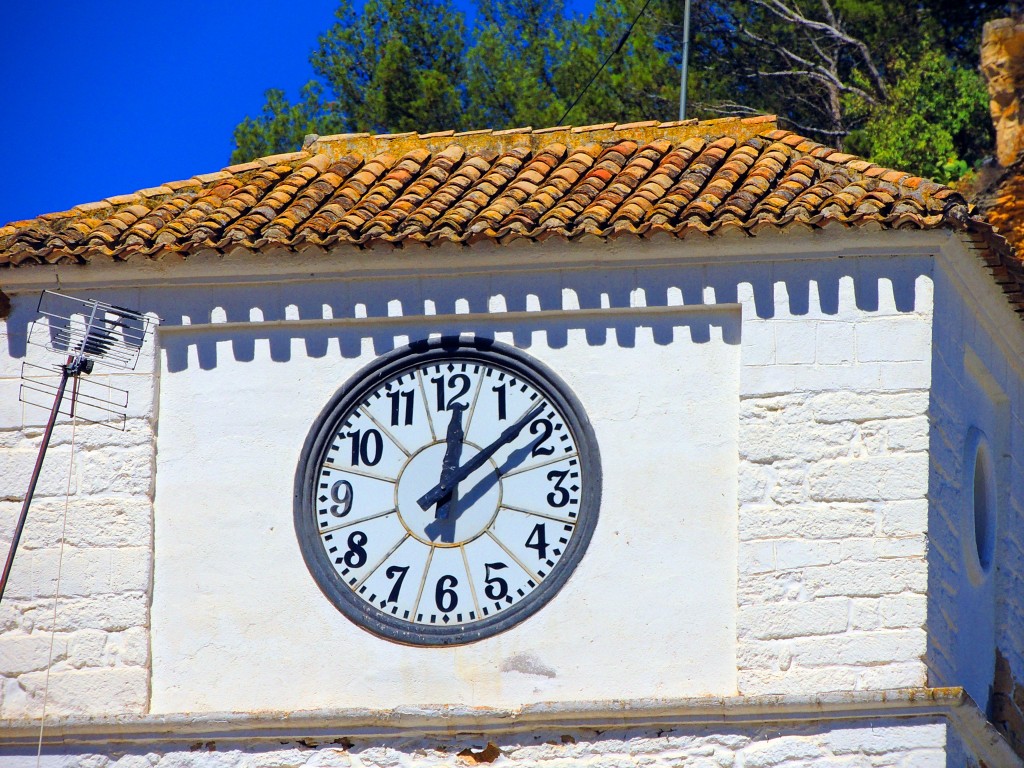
396 399
445 596
496 587
368 446
356 555
459 381
341 492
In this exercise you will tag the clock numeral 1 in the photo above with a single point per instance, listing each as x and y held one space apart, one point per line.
396 399
496 587
396 572
445 596
368 446
538 541
500 390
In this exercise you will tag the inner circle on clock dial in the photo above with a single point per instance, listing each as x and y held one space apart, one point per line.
477 497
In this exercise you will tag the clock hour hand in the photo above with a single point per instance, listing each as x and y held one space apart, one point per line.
450 463
438 491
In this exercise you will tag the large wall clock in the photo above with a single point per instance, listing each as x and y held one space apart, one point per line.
447 492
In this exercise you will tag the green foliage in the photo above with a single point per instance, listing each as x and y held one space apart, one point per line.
893 81
935 123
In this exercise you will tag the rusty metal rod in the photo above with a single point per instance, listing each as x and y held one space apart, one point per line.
65 375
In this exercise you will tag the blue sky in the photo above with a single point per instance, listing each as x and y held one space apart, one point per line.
104 98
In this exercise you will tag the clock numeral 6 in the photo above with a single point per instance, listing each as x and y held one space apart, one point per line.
496 587
356 555
368 446
341 492
444 595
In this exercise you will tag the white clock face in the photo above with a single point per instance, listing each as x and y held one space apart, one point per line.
447 492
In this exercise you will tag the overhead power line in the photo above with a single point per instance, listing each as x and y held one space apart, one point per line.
618 47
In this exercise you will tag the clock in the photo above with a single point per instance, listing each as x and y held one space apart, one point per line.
447 492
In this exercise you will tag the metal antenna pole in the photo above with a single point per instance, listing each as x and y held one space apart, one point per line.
686 59
65 375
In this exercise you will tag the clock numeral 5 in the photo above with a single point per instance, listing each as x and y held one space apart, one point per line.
458 381
496 587
341 492
368 446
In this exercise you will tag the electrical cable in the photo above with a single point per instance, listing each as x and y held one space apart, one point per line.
618 47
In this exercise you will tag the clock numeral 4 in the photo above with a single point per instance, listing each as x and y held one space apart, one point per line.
538 541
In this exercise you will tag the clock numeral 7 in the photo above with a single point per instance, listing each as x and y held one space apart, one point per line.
459 381
396 572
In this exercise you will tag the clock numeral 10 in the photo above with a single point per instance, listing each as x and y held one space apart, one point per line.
368 446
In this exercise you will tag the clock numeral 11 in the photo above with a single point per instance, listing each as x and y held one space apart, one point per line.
397 397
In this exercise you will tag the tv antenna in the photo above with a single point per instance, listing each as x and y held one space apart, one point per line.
84 333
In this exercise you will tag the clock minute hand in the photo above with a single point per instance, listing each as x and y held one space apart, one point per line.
438 491
450 463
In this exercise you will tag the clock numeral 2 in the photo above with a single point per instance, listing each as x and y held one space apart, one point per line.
396 399
368 446
445 596
544 428
459 381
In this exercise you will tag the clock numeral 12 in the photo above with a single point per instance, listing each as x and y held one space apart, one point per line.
459 380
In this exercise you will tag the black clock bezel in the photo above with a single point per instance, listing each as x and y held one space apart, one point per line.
353 392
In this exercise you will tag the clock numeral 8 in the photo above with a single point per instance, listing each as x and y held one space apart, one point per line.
444 595
356 555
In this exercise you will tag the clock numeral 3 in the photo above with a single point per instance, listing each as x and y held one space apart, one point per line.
396 572
563 493
444 595
368 446
496 587
356 555
459 381
341 492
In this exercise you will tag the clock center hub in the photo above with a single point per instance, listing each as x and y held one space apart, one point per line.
474 504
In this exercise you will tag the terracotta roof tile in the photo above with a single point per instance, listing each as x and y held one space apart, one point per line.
596 181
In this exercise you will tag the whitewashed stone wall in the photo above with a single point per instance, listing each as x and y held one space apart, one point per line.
833 482
978 386
880 743
99 627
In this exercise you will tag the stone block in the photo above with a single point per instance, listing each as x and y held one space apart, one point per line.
106 691
797 553
794 342
875 478
807 521
895 339
834 343
110 613
830 407
860 648
20 653
779 621
870 579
